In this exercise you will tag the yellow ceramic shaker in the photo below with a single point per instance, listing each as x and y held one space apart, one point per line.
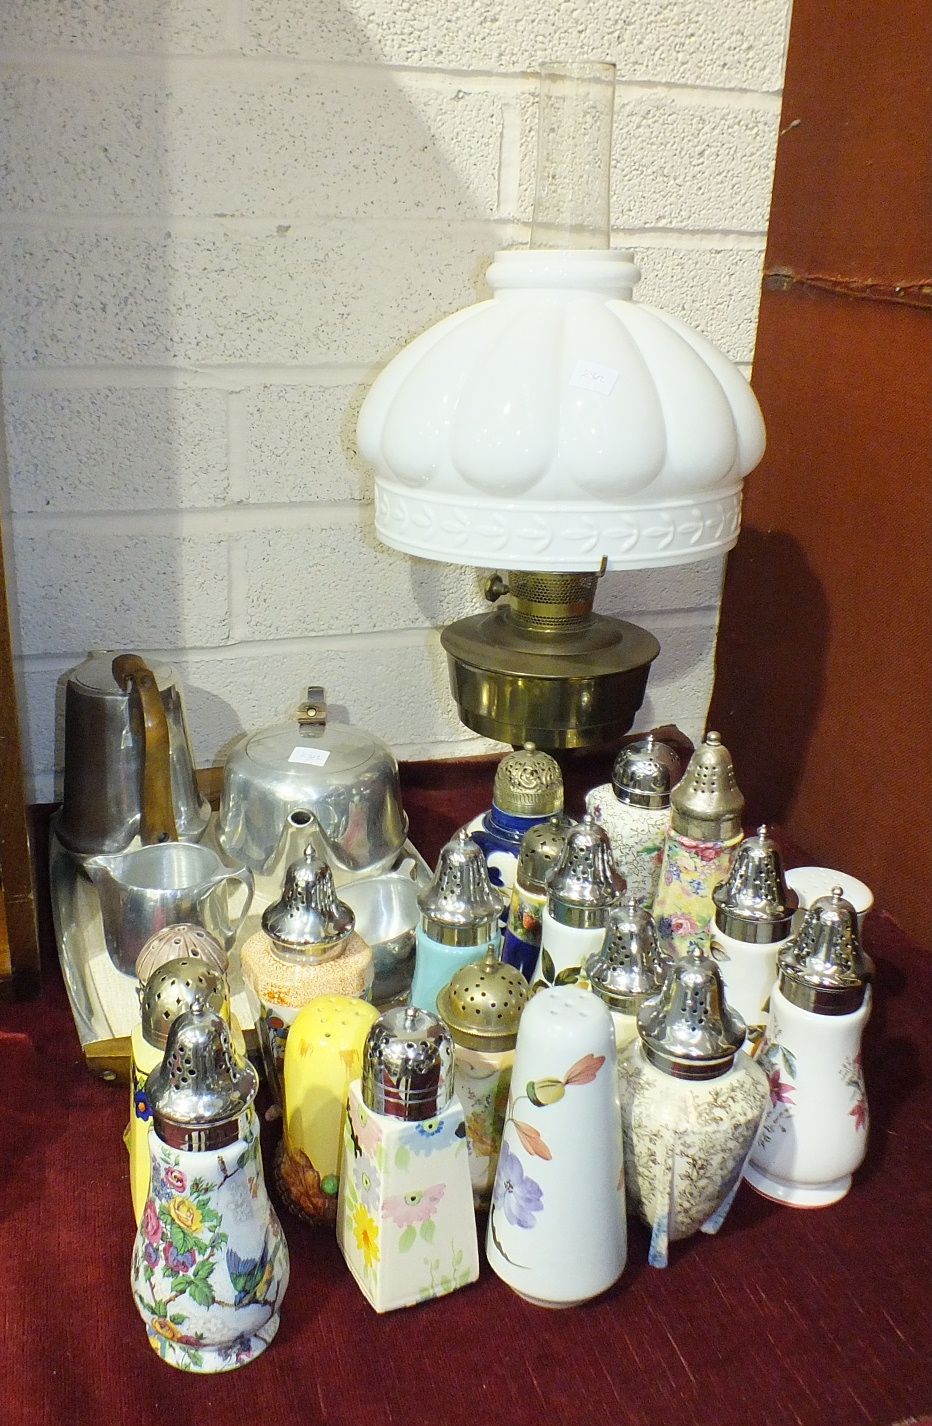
323 1053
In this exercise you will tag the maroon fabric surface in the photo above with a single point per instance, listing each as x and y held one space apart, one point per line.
786 1318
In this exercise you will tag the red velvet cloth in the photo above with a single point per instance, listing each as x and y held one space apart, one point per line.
786 1318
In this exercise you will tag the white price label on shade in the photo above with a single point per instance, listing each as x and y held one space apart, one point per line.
315 756
591 376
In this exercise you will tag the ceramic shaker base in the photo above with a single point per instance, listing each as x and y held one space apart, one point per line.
818 1195
216 1359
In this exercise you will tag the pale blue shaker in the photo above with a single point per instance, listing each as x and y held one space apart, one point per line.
460 919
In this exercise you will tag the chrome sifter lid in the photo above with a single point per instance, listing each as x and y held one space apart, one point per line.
172 989
528 783
584 883
482 1005
460 906
183 942
202 1088
755 904
541 849
687 1029
645 773
407 1064
631 964
310 920
823 969
706 803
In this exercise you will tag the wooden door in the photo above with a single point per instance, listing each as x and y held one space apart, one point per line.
823 678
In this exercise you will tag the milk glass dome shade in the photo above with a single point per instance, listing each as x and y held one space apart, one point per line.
559 425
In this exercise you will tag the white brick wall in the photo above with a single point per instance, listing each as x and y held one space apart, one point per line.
218 218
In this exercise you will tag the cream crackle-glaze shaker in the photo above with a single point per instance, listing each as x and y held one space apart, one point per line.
634 809
210 1261
405 1219
169 992
814 1135
541 849
528 788
308 946
557 1232
698 848
751 926
481 1007
460 919
582 889
691 1103
629 967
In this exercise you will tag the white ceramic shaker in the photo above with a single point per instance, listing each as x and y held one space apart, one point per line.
811 881
751 926
582 889
634 809
481 1008
405 1220
541 849
210 1261
691 1102
557 1232
629 967
699 847
528 788
460 919
814 1134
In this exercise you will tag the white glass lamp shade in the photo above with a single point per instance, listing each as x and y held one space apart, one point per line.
560 423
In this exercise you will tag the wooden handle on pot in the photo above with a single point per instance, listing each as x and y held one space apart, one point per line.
157 819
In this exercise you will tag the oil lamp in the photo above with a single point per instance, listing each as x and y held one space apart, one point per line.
554 432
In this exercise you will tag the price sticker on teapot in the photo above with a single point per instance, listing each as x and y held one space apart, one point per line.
316 757
592 376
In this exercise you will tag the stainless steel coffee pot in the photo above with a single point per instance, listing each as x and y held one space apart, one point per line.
129 768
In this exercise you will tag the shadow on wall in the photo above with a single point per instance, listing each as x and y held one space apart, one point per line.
783 625
369 233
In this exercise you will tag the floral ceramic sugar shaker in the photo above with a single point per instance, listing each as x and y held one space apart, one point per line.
541 849
460 919
634 809
557 1232
528 788
405 1219
323 1055
171 989
814 1135
481 1007
308 946
582 889
210 1262
691 1102
629 967
698 848
752 924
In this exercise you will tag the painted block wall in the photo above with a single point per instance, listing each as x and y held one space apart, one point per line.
218 220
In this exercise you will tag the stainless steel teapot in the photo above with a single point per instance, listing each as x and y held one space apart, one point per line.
129 768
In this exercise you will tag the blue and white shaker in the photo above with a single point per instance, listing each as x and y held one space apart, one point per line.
541 849
528 788
460 919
